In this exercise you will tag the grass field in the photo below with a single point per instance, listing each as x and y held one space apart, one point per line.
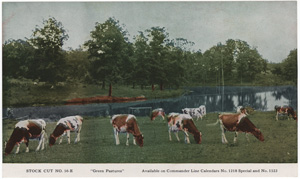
97 144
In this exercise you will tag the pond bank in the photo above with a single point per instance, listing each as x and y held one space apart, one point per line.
103 99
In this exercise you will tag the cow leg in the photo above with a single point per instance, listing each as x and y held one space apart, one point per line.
27 148
276 116
27 142
18 149
170 137
61 137
69 136
78 135
235 137
134 141
39 146
116 134
176 134
127 139
224 140
43 140
186 138
40 141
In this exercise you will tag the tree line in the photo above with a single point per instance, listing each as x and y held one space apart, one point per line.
153 59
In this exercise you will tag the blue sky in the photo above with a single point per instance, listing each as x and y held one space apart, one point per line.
270 26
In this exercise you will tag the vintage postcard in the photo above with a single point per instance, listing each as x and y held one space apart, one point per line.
149 89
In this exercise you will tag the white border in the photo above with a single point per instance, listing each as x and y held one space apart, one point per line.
135 170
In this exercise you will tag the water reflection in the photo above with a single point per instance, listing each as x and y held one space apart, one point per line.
259 98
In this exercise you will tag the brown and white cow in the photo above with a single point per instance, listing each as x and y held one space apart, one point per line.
127 123
24 131
285 110
64 126
238 123
157 112
183 122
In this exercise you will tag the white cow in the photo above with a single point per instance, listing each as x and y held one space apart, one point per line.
195 113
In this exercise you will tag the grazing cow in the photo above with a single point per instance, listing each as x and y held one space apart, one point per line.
183 122
157 112
238 123
195 113
25 130
127 123
285 110
64 126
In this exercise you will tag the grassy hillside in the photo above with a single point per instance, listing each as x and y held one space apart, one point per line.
97 144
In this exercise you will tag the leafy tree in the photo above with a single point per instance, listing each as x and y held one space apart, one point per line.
183 65
16 57
107 49
77 65
277 70
49 62
127 64
175 69
234 60
202 68
158 39
289 67
213 58
249 64
142 61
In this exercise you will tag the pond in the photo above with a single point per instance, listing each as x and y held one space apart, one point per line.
216 99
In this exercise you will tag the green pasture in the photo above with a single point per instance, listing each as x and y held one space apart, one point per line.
97 144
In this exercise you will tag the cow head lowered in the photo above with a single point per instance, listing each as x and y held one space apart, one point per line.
245 125
189 125
16 137
139 139
58 131
198 137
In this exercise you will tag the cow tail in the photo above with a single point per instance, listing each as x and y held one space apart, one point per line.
213 124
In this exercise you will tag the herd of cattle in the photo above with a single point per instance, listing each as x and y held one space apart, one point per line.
127 123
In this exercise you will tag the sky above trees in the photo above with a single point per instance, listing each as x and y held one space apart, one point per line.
271 27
